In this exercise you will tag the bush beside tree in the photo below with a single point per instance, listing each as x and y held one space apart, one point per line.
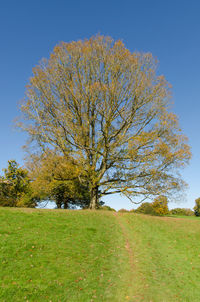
14 185
123 211
145 208
106 208
197 207
57 178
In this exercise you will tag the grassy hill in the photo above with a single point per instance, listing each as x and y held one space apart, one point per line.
52 255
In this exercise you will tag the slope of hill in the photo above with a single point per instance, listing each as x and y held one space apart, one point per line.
52 255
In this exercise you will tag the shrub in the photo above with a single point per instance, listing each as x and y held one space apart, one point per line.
6 201
160 205
13 185
145 208
197 207
181 212
106 208
27 201
123 211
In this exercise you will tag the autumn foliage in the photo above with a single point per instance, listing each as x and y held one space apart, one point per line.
160 205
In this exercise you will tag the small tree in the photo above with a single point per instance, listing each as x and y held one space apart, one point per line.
13 185
57 178
160 205
197 207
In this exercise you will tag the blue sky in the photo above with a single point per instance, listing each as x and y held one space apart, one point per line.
168 29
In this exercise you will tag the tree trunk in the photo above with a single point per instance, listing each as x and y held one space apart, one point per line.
58 204
93 198
65 205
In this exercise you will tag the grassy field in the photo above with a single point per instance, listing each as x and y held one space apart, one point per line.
59 255
166 252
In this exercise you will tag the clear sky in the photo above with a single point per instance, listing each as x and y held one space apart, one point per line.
170 30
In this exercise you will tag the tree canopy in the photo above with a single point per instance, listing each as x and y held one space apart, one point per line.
109 110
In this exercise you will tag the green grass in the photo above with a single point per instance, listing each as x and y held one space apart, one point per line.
166 256
59 255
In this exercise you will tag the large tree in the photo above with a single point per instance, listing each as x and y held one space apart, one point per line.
109 109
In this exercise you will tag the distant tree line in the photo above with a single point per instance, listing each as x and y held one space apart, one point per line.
159 207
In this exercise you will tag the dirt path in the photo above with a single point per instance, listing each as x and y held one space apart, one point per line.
127 245
132 296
